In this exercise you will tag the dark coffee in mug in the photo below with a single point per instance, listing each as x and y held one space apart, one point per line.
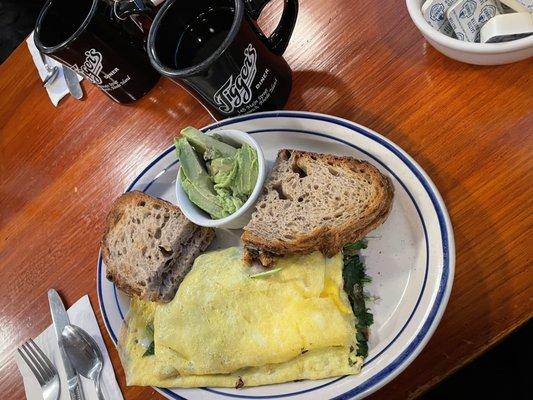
203 36
215 49
101 40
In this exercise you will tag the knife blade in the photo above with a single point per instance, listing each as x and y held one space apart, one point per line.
60 320
73 84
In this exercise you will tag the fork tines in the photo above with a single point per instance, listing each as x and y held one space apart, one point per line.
37 361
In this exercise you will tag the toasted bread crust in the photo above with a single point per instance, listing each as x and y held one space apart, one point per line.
327 239
119 272
113 218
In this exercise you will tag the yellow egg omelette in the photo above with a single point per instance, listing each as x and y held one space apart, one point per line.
227 327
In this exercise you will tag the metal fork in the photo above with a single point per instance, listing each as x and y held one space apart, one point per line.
42 368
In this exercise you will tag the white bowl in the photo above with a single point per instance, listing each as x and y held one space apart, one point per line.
240 217
472 53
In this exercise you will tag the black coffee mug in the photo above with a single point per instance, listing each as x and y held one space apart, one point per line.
101 40
215 49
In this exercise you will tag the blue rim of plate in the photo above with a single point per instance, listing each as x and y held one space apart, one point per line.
397 365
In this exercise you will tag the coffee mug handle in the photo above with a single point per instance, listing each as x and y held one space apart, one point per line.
278 41
124 8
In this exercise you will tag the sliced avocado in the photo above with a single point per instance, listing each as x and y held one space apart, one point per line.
206 200
230 176
196 182
206 145
223 171
247 171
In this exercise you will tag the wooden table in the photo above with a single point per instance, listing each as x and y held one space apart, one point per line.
469 127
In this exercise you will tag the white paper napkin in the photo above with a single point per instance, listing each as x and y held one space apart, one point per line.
56 89
82 315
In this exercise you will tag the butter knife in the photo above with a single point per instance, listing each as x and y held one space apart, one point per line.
60 320
73 84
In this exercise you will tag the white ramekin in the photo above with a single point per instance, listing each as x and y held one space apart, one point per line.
240 217
472 53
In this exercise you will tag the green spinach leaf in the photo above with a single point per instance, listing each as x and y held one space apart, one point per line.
355 277
150 351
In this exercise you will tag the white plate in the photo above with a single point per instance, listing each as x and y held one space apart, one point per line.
410 257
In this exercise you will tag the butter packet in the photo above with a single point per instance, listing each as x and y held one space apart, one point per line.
434 12
500 7
468 16
507 27
519 5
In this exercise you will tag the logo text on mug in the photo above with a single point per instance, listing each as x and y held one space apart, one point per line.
236 92
92 66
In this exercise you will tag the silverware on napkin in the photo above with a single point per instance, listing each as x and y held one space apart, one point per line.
60 320
42 368
73 84
51 71
85 355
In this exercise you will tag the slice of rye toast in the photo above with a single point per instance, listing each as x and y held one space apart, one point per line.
149 246
315 202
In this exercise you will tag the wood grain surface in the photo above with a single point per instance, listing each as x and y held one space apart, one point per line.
469 127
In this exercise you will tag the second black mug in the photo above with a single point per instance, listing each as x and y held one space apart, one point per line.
215 49
101 40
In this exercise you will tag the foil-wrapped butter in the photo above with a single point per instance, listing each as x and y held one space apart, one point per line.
468 16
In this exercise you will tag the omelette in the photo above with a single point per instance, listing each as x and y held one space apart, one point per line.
227 327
